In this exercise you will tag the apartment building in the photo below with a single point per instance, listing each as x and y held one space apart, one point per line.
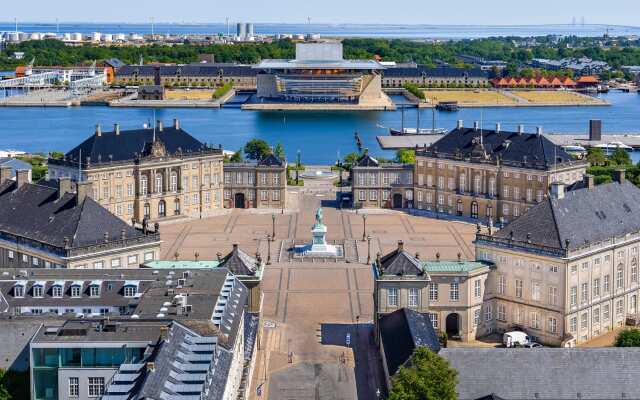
490 175
381 185
261 184
153 174
567 270
451 292
53 224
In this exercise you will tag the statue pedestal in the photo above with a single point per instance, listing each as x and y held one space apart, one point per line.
319 246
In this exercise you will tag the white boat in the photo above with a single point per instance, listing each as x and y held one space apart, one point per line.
415 131
610 147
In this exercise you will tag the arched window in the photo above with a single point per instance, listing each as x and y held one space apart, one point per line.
474 209
162 209
147 210
174 181
176 207
143 185
158 183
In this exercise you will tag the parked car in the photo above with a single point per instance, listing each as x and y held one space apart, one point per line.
515 339
533 345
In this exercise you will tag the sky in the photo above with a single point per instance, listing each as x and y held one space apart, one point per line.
432 12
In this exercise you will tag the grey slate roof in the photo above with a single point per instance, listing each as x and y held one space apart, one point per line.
402 331
35 212
201 69
109 146
525 150
239 262
546 373
271 161
439 72
582 216
367 161
400 262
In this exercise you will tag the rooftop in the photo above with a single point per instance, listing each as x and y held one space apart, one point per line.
283 64
102 330
454 266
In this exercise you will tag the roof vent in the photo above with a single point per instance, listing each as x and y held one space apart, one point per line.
116 128
539 131
460 124
98 130
521 129
498 127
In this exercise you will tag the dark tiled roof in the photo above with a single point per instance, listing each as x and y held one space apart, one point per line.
271 161
400 262
239 262
402 332
582 216
440 72
525 150
189 70
115 63
35 212
367 161
547 373
109 146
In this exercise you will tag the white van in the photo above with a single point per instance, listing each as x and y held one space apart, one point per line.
515 339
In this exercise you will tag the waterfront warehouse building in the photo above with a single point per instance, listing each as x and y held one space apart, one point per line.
567 270
151 174
490 174
48 225
438 77
202 75
320 74
261 184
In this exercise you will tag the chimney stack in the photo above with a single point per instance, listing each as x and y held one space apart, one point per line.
176 123
235 247
400 245
595 130
460 124
619 176
498 127
589 181
159 126
539 131
84 190
6 173
22 176
98 130
64 186
557 190
521 129
476 125
116 128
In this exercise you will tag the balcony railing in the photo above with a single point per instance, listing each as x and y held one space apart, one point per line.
509 243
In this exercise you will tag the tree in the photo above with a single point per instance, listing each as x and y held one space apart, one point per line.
350 159
257 149
425 376
278 151
405 156
596 156
628 338
57 155
237 156
620 157
4 391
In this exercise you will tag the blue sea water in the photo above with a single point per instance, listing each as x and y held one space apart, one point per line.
335 30
320 136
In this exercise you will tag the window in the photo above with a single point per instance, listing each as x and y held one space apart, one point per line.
477 184
596 287
605 284
75 291
10 255
37 291
584 321
227 178
392 297
434 320
477 288
96 386
56 291
519 288
115 263
173 182
535 320
130 189
619 277
501 313
633 304
535 291
194 182
162 209
492 186
619 308
98 265
373 195
25 258
605 312
18 291
94 291
552 325
227 194
147 210
195 199
502 283
488 313
634 272
433 291
264 195
573 325
148 256
34 261
454 291
505 193
74 387
553 295
130 291
477 317
573 296
595 315
413 297
132 261
143 185
263 178
584 293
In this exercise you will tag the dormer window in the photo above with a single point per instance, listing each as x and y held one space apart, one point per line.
129 291
56 291
18 290
75 290
37 291
94 291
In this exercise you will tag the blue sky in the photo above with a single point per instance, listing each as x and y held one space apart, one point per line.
481 12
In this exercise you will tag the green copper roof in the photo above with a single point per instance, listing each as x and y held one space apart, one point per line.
181 264
454 266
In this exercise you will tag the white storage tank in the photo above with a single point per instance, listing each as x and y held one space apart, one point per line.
76 37
96 36
13 37
24 36
120 37
250 29
67 36
107 37
35 36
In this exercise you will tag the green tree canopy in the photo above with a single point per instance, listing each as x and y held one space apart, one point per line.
596 156
620 157
350 159
236 157
426 376
279 151
628 338
257 149
405 156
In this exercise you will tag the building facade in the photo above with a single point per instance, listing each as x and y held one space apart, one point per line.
148 174
49 225
567 271
381 185
441 77
490 175
201 75
262 184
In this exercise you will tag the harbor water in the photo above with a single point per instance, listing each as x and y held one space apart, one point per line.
321 137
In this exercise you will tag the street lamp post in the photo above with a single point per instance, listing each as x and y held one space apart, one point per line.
364 224
298 169
368 249
273 226
268 249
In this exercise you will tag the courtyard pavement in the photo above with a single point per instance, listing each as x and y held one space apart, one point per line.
309 307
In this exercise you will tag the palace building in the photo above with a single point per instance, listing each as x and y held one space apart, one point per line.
490 175
152 173
261 184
